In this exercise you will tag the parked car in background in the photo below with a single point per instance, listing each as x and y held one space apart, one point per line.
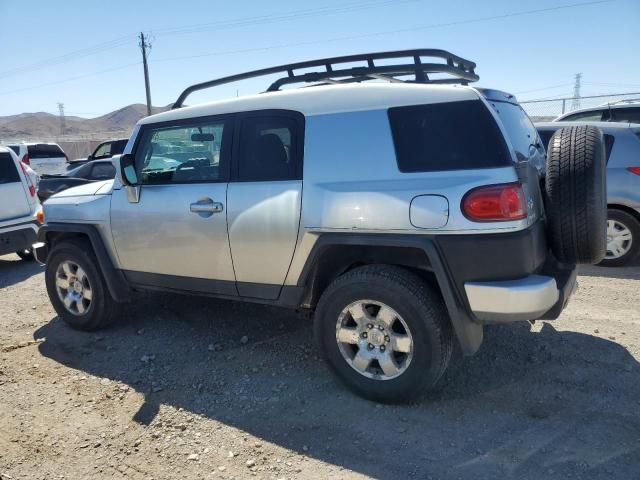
93 171
44 158
625 111
18 207
103 151
622 143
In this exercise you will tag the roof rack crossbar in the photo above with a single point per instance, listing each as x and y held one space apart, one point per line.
461 70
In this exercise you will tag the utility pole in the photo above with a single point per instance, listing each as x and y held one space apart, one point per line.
144 45
63 126
575 103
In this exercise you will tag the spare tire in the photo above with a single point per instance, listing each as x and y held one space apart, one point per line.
576 194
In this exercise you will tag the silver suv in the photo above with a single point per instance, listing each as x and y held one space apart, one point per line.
404 214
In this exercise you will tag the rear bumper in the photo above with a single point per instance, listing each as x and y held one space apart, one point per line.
18 237
512 300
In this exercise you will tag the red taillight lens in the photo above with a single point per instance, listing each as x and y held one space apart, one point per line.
495 203
635 170
32 188
25 159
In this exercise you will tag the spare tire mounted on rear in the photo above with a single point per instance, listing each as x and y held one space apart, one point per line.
575 189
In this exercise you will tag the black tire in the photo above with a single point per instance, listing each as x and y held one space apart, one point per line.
576 194
26 255
633 225
420 307
102 309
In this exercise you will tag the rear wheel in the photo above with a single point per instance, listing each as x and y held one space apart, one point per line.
384 333
76 287
623 238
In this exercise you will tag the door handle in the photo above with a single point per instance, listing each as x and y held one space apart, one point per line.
206 206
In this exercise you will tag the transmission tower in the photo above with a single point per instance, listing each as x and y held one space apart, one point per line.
575 103
63 126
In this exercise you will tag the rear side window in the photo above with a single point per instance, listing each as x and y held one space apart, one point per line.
103 171
446 136
118 147
44 151
8 170
15 148
592 116
631 115
267 149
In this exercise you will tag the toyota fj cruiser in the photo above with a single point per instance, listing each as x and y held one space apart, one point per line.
406 213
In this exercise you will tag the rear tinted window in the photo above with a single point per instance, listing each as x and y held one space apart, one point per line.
45 151
519 128
118 147
446 136
15 148
8 170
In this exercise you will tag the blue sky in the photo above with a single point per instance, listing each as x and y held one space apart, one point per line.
85 53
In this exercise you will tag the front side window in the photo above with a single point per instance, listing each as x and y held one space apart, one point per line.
103 151
190 153
267 149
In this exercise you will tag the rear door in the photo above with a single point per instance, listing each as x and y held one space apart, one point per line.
13 196
264 200
47 158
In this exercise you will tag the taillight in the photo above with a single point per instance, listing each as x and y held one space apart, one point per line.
25 159
635 170
32 188
495 203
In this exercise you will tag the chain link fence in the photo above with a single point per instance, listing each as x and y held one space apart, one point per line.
545 110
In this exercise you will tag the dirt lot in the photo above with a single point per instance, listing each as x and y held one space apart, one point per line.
189 387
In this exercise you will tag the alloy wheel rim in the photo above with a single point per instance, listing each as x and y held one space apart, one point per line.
619 240
73 288
374 340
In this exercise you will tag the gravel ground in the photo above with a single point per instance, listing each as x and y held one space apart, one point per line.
187 387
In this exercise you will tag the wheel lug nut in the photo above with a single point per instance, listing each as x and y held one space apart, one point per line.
387 339
364 335
382 348
370 346
369 326
380 327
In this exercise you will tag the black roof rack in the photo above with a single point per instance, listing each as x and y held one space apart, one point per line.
459 69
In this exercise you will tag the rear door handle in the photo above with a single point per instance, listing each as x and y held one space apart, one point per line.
206 207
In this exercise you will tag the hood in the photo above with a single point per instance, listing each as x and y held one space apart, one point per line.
93 188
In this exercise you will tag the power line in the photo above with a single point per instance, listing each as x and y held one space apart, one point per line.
385 32
246 21
553 87
120 67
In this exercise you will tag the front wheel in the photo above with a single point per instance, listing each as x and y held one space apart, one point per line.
384 333
623 238
76 287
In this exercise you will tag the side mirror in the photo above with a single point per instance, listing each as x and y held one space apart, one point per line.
128 170
90 157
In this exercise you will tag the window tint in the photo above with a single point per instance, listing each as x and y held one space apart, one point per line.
593 116
103 150
267 149
631 115
520 130
181 154
446 136
117 147
82 171
8 170
15 148
103 171
43 150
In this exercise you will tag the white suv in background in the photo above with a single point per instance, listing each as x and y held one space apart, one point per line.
44 158
624 111
18 206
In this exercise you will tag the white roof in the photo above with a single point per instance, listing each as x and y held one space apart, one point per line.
603 125
326 99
